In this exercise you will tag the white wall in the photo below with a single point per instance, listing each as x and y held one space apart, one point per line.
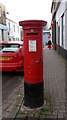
62 9
16 34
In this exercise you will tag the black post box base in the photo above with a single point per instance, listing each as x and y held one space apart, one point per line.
33 95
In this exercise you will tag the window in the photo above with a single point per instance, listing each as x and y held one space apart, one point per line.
63 30
9 26
14 27
59 32
9 49
9 46
2 35
18 29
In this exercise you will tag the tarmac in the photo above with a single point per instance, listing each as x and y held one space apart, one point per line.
54 93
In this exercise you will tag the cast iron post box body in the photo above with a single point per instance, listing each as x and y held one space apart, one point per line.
33 62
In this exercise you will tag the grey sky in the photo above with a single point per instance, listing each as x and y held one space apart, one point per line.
28 9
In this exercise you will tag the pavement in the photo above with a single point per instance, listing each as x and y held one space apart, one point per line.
54 93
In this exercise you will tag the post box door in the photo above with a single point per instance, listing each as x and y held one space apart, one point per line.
33 60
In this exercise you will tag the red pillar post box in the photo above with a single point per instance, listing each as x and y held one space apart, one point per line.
33 63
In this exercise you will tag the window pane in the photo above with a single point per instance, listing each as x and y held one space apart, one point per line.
63 30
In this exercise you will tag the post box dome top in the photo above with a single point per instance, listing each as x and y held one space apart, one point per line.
32 23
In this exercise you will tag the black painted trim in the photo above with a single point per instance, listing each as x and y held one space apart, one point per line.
33 95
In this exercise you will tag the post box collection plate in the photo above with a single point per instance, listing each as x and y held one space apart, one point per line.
32 46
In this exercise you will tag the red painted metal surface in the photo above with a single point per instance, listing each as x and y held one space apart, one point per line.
11 60
33 56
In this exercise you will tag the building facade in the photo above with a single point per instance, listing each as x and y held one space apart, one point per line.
59 26
3 27
14 30
9 30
